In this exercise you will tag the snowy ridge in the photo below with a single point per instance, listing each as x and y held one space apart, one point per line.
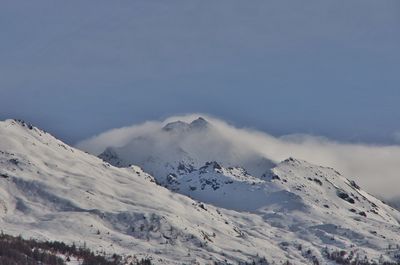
294 211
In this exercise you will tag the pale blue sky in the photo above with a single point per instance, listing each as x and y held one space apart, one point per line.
77 68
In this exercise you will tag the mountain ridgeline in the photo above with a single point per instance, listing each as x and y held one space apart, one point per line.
172 197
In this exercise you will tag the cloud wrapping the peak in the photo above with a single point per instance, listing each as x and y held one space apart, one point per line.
376 168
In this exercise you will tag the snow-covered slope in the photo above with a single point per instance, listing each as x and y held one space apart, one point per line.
292 185
295 211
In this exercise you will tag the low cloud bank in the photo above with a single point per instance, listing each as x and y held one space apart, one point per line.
376 168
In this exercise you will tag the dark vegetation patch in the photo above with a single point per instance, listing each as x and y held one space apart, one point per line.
17 251
351 258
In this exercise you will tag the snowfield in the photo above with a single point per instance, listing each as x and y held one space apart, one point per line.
192 211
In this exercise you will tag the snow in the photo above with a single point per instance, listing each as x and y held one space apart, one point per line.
189 143
210 211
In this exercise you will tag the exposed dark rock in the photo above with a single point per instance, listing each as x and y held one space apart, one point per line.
185 168
354 184
14 161
319 182
24 124
362 214
343 195
275 177
176 126
199 123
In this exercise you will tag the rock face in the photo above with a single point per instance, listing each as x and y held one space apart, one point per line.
294 211
181 127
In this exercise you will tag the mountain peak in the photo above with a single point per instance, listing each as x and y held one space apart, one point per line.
24 124
176 126
199 123
18 124
181 126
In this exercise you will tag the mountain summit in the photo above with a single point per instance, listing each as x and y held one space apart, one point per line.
180 126
199 123
189 145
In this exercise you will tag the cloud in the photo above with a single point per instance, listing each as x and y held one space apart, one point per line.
396 137
375 167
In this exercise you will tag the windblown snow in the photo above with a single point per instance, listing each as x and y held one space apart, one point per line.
200 209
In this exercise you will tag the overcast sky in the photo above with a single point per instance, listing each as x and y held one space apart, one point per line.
77 68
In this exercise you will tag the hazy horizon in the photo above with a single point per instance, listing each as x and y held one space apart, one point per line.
325 68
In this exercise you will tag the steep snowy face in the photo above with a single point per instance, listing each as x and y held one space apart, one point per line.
49 190
293 186
180 144
314 203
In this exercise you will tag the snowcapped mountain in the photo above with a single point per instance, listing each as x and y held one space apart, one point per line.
288 211
180 147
